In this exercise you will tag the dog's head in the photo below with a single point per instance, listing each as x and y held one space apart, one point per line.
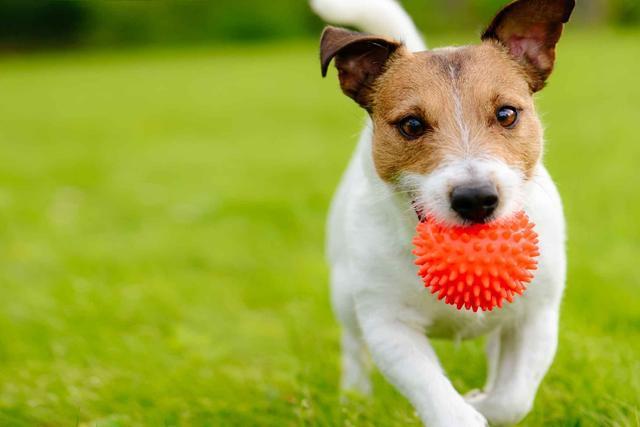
456 128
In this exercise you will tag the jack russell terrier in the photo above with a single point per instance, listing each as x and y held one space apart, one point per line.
453 133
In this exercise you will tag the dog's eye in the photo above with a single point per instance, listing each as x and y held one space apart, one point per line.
507 116
411 127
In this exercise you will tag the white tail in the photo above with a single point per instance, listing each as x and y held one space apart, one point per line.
382 17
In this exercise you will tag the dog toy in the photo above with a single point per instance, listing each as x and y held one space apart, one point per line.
479 266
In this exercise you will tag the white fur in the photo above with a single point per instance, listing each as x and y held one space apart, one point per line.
431 192
382 17
463 128
382 304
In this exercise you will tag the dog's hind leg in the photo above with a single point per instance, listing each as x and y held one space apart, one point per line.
355 361
492 351
356 365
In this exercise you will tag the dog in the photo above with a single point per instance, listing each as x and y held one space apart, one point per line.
452 133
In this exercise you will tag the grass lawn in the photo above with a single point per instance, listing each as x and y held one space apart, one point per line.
161 239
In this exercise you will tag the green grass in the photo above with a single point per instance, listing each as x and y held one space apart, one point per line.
161 240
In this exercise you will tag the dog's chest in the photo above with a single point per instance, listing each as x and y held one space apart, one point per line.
408 297
441 320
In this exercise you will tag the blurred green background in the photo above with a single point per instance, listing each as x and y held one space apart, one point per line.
80 23
165 172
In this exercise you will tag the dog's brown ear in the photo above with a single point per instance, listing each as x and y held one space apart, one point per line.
359 58
530 30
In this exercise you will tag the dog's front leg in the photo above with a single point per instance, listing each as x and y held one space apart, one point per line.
403 354
524 354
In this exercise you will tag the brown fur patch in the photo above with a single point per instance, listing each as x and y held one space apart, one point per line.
530 30
457 92
360 59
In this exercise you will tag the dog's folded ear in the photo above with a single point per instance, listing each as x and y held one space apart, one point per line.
359 58
530 30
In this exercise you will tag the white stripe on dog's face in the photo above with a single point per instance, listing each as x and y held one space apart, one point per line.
437 127
463 127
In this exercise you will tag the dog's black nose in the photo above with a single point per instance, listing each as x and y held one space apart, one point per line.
475 202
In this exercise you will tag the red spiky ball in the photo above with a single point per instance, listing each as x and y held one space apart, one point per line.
479 266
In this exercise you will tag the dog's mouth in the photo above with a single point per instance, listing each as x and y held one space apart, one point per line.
421 214
419 210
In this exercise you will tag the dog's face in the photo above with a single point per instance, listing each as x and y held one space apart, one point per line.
456 128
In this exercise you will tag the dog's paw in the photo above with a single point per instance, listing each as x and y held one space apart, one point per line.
356 385
460 414
499 412
471 417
